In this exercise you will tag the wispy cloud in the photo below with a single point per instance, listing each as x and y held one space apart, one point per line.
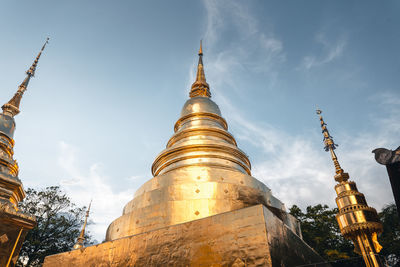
223 13
295 167
252 50
214 21
372 177
84 184
330 52
298 170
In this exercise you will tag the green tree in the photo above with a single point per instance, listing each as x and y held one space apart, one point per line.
390 238
321 231
58 225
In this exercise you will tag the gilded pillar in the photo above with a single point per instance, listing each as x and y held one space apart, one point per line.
357 221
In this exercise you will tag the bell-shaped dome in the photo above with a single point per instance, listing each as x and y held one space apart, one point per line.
200 104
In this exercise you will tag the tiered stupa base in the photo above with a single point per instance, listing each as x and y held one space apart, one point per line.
251 236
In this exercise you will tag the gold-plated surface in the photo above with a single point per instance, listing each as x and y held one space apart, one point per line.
81 237
357 221
14 224
201 173
201 138
252 236
192 193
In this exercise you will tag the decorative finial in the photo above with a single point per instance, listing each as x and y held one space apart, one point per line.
201 48
11 108
200 87
331 146
81 238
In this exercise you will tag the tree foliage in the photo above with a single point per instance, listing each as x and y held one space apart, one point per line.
390 238
321 231
58 225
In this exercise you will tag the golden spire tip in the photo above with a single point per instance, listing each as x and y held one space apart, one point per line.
11 108
200 87
201 48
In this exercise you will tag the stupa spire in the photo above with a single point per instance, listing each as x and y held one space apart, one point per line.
11 108
200 87
331 146
357 221
81 238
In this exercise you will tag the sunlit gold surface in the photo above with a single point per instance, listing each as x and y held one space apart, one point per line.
191 193
201 138
357 221
250 237
201 173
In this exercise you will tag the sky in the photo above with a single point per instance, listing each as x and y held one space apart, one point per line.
112 81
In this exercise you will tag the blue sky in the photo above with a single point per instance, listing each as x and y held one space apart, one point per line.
110 85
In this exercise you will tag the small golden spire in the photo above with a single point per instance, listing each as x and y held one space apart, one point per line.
11 108
357 221
200 87
81 238
331 146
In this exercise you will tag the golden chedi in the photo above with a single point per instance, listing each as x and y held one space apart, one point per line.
14 224
357 221
201 208
201 173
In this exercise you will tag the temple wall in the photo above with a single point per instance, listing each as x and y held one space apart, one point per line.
251 236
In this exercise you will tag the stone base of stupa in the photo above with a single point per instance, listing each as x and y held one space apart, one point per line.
251 236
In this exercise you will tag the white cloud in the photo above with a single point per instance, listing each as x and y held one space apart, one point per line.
298 170
253 49
136 177
372 178
223 13
84 184
271 44
331 51
214 21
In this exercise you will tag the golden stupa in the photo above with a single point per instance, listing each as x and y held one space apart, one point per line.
201 208
201 172
14 224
